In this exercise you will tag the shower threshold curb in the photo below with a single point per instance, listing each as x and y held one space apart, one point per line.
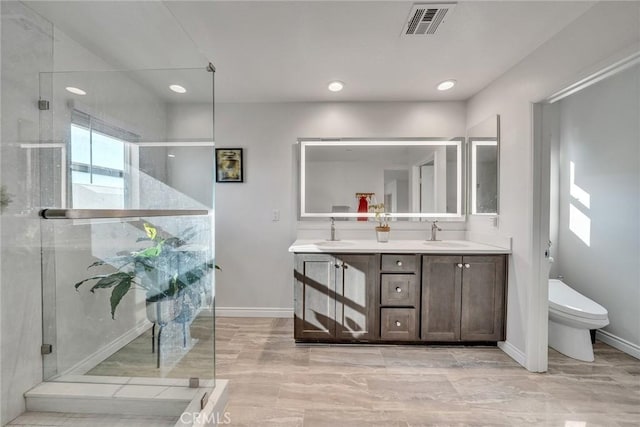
199 406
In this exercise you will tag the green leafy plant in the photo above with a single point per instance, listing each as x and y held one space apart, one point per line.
380 216
165 269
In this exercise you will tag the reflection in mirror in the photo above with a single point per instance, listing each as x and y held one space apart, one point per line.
484 159
484 177
413 178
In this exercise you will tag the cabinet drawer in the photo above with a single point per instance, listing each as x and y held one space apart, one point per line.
398 324
403 263
399 290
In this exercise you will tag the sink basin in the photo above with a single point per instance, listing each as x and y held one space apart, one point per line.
333 243
446 244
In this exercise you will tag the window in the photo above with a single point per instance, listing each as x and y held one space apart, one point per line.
98 163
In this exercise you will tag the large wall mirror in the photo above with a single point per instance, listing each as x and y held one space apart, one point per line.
413 178
484 161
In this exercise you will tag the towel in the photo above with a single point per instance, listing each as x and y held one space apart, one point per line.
363 207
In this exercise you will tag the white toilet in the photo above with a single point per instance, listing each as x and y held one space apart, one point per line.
571 316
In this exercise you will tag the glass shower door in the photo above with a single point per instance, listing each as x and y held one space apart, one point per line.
128 232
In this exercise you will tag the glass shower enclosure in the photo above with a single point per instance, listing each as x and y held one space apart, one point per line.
126 164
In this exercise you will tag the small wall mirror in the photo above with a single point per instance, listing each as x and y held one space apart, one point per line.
484 147
413 178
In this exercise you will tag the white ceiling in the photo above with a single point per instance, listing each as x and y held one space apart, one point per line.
284 51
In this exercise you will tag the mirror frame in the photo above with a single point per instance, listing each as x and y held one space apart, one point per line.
471 166
459 142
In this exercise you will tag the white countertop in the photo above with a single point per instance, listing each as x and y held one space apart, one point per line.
396 246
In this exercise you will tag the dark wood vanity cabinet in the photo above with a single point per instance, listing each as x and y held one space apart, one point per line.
463 298
399 297
335 297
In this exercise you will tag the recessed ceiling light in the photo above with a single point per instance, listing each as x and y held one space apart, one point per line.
336 86
75 90
446 85
171 155
177 89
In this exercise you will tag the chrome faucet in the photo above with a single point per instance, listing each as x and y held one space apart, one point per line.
434 230
333 230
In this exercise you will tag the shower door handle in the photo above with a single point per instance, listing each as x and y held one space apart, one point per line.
53 213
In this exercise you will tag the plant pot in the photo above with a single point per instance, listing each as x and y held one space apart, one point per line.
163 311
382 233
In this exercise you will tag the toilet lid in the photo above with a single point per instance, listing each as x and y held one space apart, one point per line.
563 298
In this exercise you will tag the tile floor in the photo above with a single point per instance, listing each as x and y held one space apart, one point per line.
275 382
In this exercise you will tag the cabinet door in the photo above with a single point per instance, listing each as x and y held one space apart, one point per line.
483 285
314 296
441 283
356 296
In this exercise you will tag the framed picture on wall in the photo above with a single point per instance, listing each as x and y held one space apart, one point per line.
229 165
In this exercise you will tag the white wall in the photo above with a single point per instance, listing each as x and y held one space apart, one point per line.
600 36
250 247
600 133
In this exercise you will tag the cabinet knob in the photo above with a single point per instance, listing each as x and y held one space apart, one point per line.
467 265
399 263
337 266
398 323
459 265
345 266
398 289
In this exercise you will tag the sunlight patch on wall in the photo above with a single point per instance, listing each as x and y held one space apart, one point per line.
575 191
580 224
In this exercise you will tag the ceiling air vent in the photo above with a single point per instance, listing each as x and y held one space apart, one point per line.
426 18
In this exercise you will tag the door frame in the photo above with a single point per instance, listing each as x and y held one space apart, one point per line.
537 340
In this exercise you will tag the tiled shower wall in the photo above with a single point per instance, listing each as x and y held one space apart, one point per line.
27 49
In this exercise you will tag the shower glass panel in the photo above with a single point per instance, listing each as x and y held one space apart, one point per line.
126 170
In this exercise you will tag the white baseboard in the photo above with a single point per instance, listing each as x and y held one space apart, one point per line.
513 352
254 312
621 344
91 361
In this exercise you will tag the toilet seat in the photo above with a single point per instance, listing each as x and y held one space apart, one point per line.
566 300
